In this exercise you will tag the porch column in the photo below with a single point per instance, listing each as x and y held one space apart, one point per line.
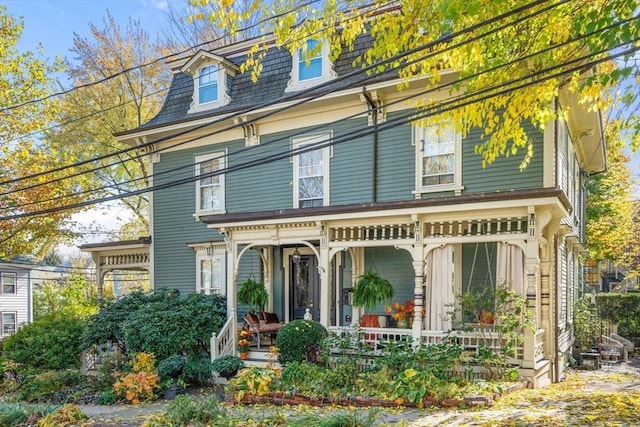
325 285
418 302
232 275
531 265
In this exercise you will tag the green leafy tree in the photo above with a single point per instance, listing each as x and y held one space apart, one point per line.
483 44
93 114
73 297
24 77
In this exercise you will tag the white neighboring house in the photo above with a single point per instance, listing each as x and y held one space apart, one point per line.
16 291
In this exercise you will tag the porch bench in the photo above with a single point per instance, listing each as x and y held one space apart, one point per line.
258 327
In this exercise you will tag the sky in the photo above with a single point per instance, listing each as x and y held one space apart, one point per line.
52 23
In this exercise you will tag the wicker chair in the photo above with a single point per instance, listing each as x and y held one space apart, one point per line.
258 327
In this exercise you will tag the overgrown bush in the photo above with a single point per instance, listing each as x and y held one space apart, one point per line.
49 343
162 323
17 414
297 339
46 386
198 370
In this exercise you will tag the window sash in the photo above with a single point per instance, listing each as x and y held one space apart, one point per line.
311 176
210 189
211 271
208 85
9 283
312 69
9 323
438 155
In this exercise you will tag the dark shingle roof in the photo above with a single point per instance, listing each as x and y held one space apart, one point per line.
245 94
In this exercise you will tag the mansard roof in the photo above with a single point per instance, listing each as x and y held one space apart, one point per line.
246 94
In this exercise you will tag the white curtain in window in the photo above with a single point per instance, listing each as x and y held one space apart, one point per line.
439 298
510 267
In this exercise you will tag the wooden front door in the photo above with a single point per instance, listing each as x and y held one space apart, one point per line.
305 287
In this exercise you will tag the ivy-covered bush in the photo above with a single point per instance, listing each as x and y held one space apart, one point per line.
162 323
297 339
622 310
49 343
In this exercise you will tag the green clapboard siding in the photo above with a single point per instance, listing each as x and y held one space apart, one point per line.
504 173
396 164
351 179
174 224
394 265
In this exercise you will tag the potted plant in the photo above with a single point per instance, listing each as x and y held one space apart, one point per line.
371 290
227 366
244 340
253 294
171 369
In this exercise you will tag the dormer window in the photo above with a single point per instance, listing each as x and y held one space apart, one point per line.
311 66
207 85
312 69
211 74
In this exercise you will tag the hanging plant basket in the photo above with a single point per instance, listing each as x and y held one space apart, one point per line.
371 290
253 294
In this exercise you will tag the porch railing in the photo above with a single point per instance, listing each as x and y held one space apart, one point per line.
469 339
224 342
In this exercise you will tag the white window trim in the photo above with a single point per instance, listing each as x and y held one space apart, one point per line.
222 155
210 251
326 152
15 283
328 72
456 185
223 96
15 322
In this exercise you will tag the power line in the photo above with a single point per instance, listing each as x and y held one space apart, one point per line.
162 58
407 118
315 93
321 126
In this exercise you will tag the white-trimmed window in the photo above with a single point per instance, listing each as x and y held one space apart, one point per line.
211 77
9 323
311 66
438 158
210 267
9 283
311 171
208 84
210 188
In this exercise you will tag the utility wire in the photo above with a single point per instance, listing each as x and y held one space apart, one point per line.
188 167
404 119
314 93
147 64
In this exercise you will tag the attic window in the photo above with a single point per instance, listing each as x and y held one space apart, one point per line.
310 66
208 85
211 80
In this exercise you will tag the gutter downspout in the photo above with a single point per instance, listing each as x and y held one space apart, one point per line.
373 110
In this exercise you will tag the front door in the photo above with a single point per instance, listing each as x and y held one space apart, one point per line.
305 287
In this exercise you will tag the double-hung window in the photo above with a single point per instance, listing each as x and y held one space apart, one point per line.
311 68
9 323
208 84
438 158
210 274
311 171
210 183
311 65
9 283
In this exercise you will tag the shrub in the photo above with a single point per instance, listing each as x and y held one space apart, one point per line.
183 411
63 416
197 371
44 386
227 366
161 323
50 343
172 366
296 339
139 385
17 414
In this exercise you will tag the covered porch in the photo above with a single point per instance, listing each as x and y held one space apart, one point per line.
428 256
